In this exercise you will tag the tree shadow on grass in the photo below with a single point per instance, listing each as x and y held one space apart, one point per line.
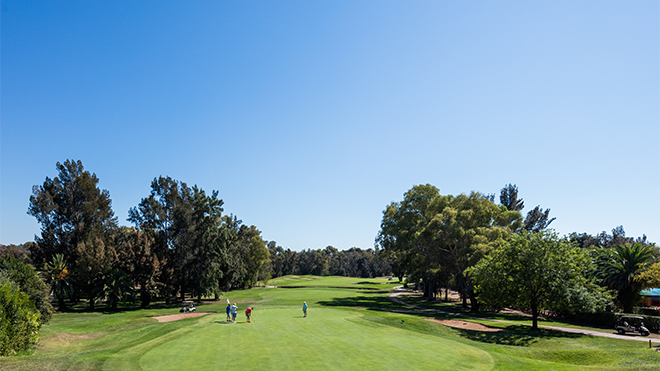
516 335
372 301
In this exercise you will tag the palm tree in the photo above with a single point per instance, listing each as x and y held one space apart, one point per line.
619 267
116 287
57 276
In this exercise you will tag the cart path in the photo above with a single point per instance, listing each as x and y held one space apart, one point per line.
417 309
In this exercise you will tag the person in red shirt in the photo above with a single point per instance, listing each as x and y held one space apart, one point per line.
248 313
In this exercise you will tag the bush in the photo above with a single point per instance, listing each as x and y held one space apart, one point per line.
20 321
647 311
29 282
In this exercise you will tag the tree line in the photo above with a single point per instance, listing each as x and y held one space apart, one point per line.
494 258
354 262
180 243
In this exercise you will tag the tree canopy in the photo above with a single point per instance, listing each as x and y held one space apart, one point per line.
620 267
535 271
71 210
441 236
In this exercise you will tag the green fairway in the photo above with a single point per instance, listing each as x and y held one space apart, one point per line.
347 328
329 339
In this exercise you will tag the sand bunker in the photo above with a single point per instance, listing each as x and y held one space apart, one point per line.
176 317
82 336
465 325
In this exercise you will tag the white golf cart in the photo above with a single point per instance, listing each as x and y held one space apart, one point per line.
631 324
188 306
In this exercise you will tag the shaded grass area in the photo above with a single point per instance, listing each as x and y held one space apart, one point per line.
455 307
335 282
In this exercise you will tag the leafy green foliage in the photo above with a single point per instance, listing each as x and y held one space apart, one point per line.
116 287
537 271
538 220
257 263
95 259
439 237
619 267
509 198
650 277
71 210
139 261
30 283
58 277
20 321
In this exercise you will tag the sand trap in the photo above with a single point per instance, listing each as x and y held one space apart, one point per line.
290 279
176 317
465 325
83 336
308 279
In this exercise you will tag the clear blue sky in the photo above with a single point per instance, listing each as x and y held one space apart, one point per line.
310 117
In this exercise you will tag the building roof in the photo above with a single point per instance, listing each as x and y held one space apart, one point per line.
650 292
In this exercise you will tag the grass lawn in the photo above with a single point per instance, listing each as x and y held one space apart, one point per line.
347 328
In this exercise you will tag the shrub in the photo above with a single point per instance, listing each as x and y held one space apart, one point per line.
20 321
608 319
29 282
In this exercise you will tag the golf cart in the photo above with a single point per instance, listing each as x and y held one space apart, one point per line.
631 324
188 306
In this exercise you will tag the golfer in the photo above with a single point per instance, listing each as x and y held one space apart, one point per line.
305 308
234 308
248 313
228 312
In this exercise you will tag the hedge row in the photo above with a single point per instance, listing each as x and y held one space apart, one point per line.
608 319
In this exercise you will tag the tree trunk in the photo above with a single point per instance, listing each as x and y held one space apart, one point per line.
535 315
145 298
474 303
91 301
428 287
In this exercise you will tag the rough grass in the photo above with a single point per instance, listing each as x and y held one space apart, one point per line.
348 328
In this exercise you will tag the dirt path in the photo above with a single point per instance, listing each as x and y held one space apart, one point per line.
417 309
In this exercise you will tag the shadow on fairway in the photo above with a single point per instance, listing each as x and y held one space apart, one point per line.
371 301
224 322
83 307
515 335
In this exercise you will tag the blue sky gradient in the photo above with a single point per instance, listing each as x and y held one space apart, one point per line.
311 117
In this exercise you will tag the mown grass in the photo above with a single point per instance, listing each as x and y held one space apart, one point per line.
347 328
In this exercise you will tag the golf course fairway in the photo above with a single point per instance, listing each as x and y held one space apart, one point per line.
351 325
333 339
